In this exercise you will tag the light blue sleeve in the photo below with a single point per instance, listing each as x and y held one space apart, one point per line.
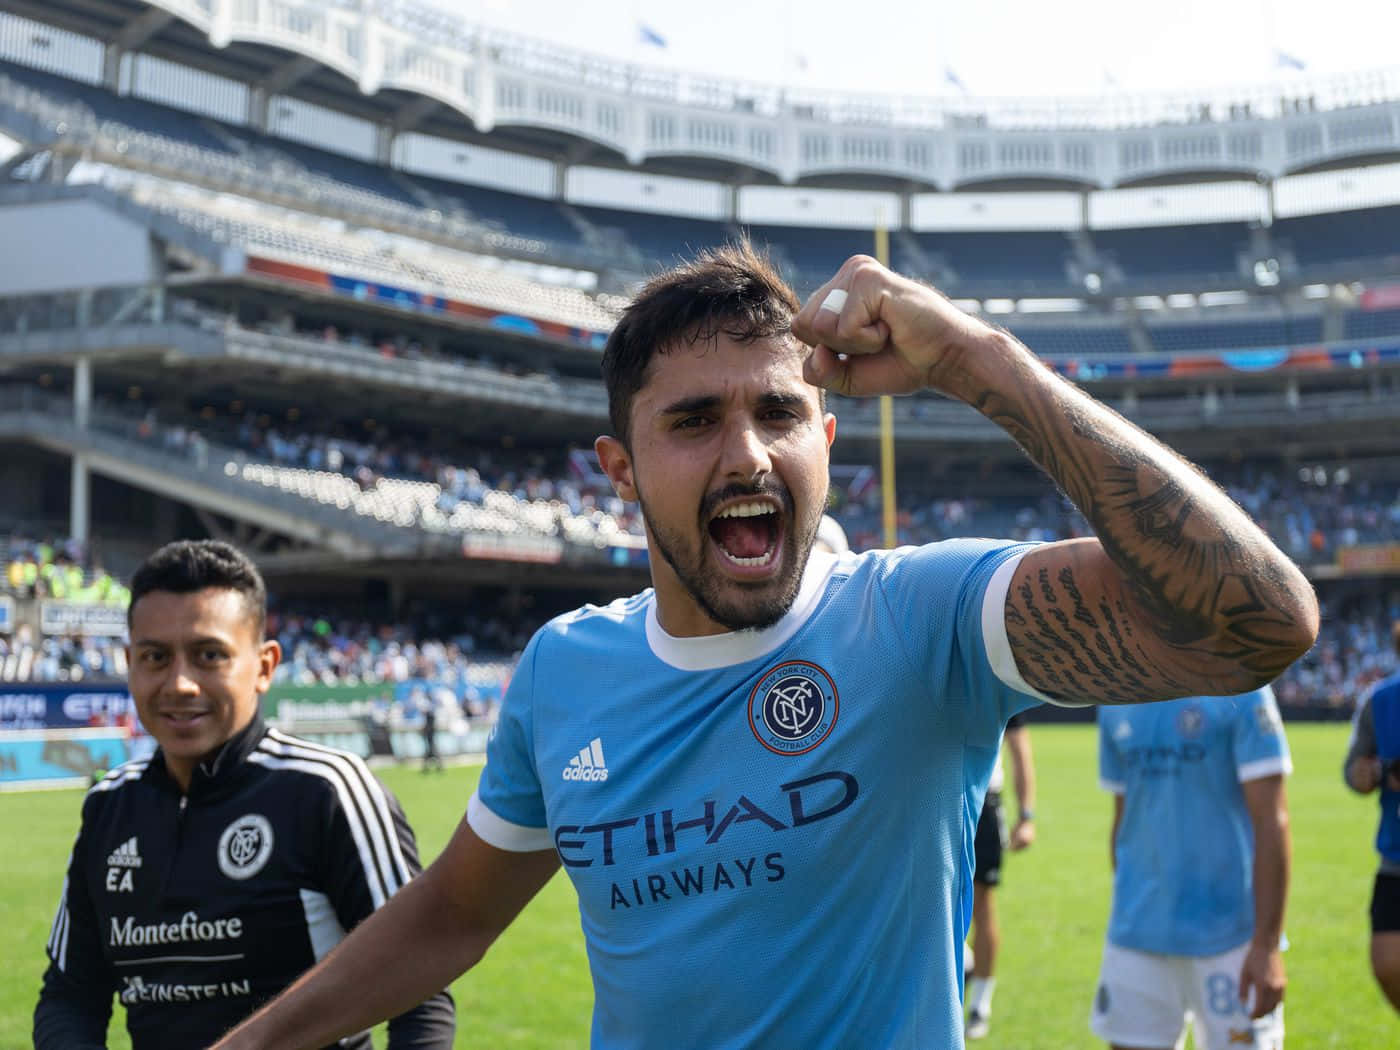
1111 775
1261 749
508 809
936 595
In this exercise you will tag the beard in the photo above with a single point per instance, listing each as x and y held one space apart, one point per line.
737 605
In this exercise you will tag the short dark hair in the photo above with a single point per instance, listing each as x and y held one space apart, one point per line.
733 290
187 566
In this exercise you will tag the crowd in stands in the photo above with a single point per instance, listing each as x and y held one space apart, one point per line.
463 476
58 569
1311 512
328 650
26 656
1353 650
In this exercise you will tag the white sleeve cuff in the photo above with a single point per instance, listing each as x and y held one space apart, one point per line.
994 635
1113 787
494 831
1265 767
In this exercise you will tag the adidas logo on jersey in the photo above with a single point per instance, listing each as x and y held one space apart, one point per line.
588 764
126 855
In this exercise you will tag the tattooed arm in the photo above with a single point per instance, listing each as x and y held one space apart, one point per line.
1180 593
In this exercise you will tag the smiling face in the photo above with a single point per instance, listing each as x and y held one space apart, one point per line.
197 667
729 460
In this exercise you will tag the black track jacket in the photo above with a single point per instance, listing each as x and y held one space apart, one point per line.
196 909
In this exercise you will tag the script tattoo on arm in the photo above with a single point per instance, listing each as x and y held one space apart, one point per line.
1199 595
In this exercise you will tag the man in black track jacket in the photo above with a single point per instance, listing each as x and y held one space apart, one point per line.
207 878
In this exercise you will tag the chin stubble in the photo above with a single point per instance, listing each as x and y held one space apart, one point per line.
704 588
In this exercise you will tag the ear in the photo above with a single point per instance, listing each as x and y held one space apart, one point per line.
269 656
829 425
617 465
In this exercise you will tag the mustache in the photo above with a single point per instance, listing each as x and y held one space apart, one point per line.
768 487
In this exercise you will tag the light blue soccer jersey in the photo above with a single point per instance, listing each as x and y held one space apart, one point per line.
770 832
1185 848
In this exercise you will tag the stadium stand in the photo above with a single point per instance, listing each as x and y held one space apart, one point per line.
661 239
523 398
1231 334
1352 236
1174 251
994 258
1372 324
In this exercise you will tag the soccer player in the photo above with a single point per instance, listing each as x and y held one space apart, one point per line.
207 877
1201 856
1373 762
988 846
762 775
427 705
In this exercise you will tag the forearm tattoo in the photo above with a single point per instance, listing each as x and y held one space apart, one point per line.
1195 571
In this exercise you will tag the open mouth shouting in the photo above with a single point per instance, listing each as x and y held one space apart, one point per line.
748 535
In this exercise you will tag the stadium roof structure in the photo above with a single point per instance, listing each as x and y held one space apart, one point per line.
407 66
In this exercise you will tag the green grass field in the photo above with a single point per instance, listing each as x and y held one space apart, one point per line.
533 989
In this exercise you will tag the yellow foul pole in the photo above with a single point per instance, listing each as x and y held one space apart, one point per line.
882 253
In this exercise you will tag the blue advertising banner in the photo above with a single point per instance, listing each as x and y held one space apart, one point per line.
39 758
65 705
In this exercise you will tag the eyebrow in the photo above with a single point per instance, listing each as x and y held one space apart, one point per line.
708 402
153 643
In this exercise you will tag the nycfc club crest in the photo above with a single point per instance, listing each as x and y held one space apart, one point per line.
1191 721
793 707
245 846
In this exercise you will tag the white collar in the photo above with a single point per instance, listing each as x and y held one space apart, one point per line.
711 651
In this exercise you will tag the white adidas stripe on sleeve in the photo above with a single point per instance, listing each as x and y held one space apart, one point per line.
366 787
58 934
371 828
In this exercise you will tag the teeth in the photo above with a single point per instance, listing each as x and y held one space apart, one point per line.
746 510
762 559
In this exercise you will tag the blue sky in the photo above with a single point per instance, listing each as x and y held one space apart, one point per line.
994 47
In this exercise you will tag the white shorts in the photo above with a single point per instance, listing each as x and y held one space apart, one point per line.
1145 1000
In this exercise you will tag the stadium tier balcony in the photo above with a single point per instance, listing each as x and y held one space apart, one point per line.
994 258
1175 251
261 230
1372 324
811 255
105 107
1245 333
514 214
662 239
1341 237
1085 340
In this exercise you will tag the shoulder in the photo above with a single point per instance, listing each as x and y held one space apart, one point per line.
1387 688
590 627
315 767
1259 705
952 555
120 778
948 566
617 613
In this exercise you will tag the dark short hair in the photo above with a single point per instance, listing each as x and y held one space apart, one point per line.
733 290
187 566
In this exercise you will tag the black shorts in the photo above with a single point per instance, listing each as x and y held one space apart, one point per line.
991 839
1385 904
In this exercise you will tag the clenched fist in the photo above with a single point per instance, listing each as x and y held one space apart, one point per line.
886 334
